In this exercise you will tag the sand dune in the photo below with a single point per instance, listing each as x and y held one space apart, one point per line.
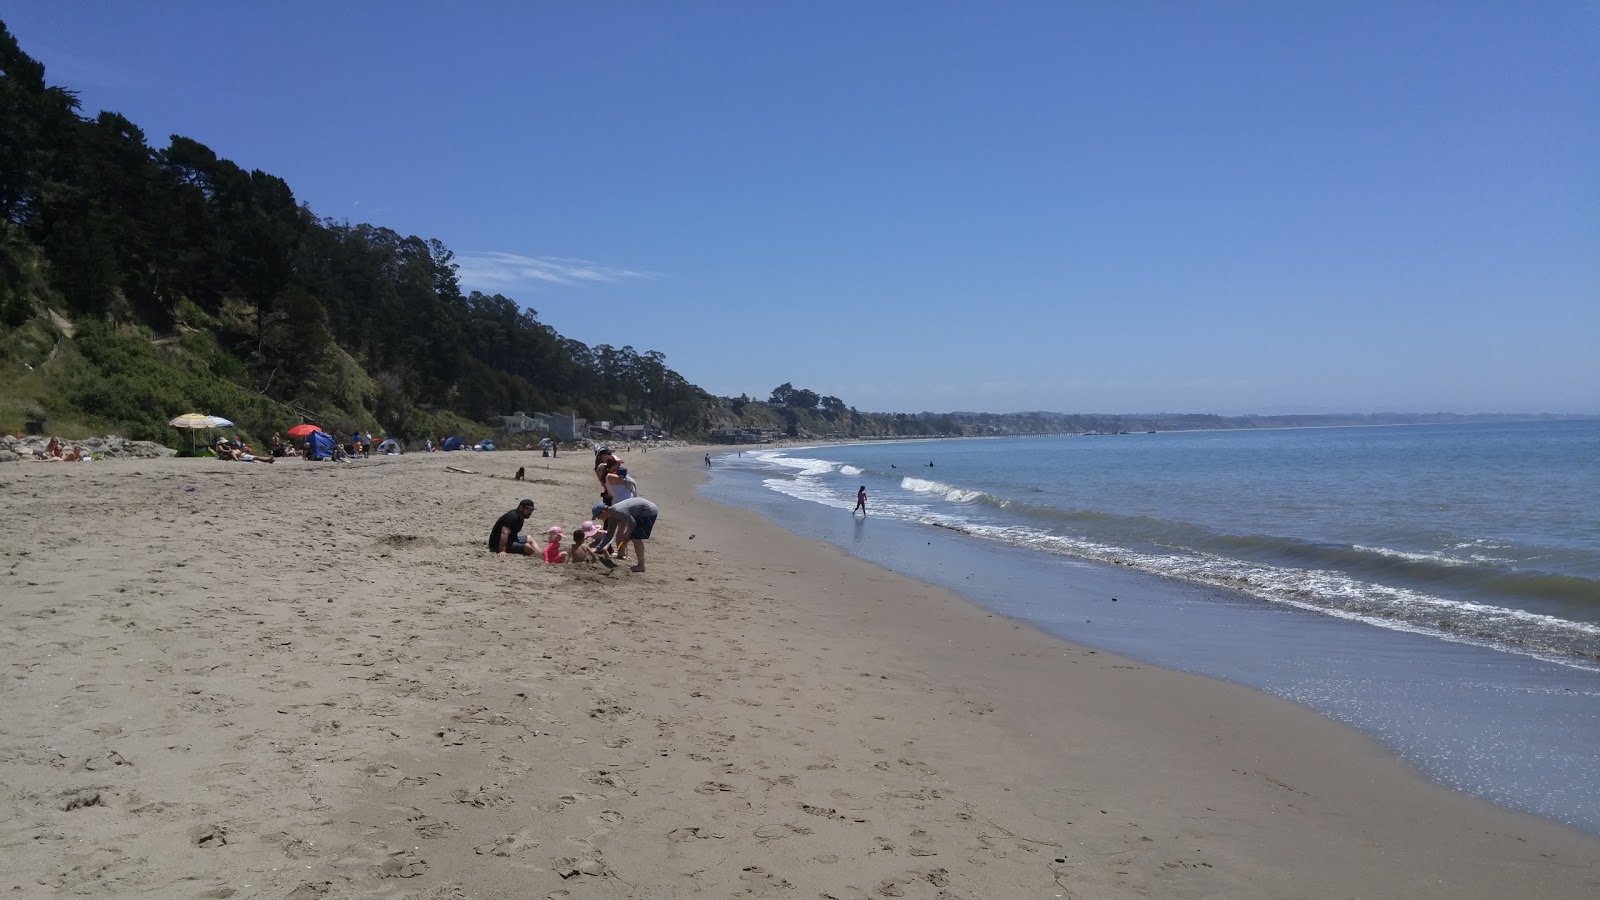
312 681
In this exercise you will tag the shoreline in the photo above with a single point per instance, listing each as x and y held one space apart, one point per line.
1391 787
311 680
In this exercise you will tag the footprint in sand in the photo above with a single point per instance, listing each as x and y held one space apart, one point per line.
506 845
297 847
102 760
481 798
571 867
81 799
760 883
430 828
604 778
449 737
402 864
208 837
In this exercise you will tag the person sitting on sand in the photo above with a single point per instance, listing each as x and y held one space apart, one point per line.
73 454
53 449
580 552
506 536
234 454
553 536
635 519
521 473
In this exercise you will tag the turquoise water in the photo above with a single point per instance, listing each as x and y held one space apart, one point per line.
1484 533
1437 587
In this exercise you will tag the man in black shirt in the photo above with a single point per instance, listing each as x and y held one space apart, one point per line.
506 536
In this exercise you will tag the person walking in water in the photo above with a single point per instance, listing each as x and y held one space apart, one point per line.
861 501
708 460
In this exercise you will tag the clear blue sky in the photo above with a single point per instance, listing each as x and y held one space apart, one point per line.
1108 207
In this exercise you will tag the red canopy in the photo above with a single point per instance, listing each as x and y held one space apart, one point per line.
301 431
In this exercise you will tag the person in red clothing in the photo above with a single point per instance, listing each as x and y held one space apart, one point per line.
553 536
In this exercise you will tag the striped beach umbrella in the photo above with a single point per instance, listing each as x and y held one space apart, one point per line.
192 421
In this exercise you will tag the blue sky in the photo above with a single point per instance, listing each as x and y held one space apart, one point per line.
1107 207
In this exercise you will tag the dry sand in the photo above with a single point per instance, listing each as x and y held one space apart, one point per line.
312 681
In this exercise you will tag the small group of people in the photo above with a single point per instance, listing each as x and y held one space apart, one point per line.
622 520
55 451
237 450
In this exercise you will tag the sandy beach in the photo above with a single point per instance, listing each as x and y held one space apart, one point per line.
313 681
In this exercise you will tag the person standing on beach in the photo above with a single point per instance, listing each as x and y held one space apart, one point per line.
603 456
708 460
635 519
861 501
619 485
506 536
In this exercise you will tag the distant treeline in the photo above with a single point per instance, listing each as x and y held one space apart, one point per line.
1050 423
803 413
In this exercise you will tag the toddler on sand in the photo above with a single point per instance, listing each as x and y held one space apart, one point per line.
552 548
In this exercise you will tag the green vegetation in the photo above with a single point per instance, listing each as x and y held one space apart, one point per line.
139 283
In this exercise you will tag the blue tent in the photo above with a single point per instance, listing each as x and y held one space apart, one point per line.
453 443
319 445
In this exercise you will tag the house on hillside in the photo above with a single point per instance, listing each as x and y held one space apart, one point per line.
741 436
519 422
644 432
565 427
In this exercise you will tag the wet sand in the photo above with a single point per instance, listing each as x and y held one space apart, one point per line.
303 681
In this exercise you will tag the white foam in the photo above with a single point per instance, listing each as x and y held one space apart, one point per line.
1438 559
849 470
808 489
806 467
949 492
1317 590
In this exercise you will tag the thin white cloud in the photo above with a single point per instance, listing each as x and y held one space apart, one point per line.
494 270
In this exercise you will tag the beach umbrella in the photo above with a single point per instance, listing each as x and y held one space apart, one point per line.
220 422
193 421
301 431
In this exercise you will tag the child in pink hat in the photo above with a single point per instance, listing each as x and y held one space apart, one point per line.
552 547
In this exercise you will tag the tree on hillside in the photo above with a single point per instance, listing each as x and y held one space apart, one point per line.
187 251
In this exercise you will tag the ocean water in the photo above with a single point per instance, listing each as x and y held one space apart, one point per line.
1436 586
